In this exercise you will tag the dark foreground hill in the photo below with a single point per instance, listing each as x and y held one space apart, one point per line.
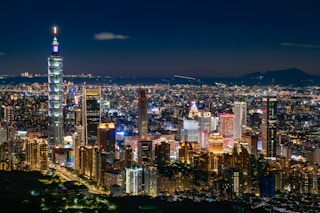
16 196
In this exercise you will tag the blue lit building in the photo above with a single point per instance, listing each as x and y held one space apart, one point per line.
55 95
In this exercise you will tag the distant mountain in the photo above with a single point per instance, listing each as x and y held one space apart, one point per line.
293 76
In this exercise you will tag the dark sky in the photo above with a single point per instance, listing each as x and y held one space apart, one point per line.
194 38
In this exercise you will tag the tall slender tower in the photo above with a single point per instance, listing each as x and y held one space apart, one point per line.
240 119
55 94
142 113
269 125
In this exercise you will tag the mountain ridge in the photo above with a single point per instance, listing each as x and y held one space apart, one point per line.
284 77
291 76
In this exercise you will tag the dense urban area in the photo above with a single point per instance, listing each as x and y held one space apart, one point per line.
161 147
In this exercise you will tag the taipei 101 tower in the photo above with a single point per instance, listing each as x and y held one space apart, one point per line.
55 95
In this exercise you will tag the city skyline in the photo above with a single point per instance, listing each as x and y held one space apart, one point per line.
161 38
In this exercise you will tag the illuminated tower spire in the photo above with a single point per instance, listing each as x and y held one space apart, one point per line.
55 94
55 44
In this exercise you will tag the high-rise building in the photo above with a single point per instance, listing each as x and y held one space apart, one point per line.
150 180
88 160
185 152
100 167
68 109
128 156
190 131
145 152
37 154
240 119
76 151
107 140
55 94
91 114
269 125
142 115
215 143
162 153
134 180
227 125
204 119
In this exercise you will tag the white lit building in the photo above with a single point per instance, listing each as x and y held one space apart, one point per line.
240 119
134 180
190 130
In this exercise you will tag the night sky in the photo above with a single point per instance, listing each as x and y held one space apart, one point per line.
196 38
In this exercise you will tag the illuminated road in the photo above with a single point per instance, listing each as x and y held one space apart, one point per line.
69 176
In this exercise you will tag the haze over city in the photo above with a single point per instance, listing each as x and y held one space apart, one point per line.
161 38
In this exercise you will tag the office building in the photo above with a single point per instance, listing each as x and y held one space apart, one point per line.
240 119
226 127
55 95
134 180
269 125
69 109
37 154
88 160
100 174
190 131
142 115
128 156
162 153
185 151
204 119
145 152
106 140
150 180
215 143
91 114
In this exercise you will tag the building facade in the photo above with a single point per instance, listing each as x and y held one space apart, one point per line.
240 119
269 125
55 95
91 114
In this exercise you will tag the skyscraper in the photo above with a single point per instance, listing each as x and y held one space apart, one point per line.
91 113
107 139
162 153
128 156
55 94
269 125
142 113
145 152
227 125
204 119
134 180
190 131
150 180
240 120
